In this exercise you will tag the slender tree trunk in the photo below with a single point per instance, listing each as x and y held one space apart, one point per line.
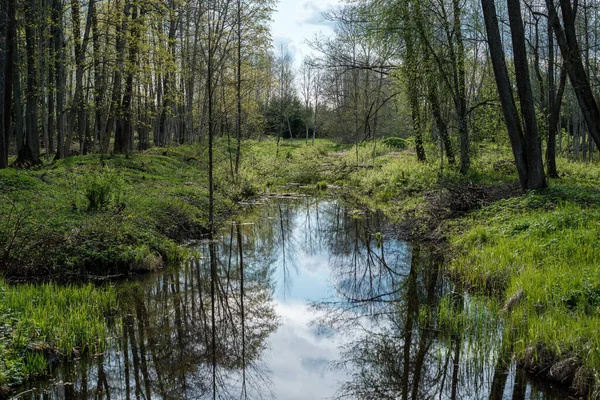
46 95
99 81
554 103
115 106
440 123
60 75
79 46
535 167
461 91
15 78
503 85
238 87
126 122
3 57
566 38
168 84
412 90
30 149
551 145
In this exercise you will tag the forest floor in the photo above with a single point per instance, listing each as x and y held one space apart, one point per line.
84 218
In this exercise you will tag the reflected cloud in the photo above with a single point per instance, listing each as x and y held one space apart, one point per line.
302 357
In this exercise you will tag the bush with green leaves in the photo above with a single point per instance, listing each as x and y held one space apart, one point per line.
395 142
102 189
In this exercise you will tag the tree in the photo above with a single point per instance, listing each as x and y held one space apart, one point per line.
306 88
4 132
524 139
410 70
29 147
60 75
566 38
80 49
286 90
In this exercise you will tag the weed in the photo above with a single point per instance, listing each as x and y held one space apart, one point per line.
101 189
39 320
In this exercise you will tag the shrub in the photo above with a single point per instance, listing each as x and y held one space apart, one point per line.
395 142
101 190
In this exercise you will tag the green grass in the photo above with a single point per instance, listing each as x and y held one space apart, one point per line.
85 215
547 244
41 321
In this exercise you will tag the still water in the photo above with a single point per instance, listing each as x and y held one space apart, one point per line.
329 305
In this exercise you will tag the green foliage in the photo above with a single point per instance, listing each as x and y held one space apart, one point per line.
42 320
547 247
111 216
321 185
395 143
101 189
544 243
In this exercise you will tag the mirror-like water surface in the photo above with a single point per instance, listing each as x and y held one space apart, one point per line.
329 305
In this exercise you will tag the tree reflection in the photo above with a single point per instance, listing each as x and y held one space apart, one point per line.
388 297
195 332
199 331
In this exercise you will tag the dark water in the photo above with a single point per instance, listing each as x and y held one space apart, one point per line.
332 307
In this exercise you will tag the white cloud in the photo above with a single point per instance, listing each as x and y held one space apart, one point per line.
299 22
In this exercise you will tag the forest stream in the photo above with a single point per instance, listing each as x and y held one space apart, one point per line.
333 306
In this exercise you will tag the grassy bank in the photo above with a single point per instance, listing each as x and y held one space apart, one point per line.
536 254
540 252
42 323
88 216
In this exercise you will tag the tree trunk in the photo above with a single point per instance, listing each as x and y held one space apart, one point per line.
99 81
168 84
554 104
80 48
551 145
440 123
535 167
60 75
503 85
126 123
238 88
29 154
44 55
569 47
461 92
410 70
3 57
115 106
15 79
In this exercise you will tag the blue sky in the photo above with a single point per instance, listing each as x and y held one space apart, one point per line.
296 21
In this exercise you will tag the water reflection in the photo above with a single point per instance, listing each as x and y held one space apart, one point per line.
299 299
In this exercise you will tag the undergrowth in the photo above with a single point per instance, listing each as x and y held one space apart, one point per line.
544 245
42 323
